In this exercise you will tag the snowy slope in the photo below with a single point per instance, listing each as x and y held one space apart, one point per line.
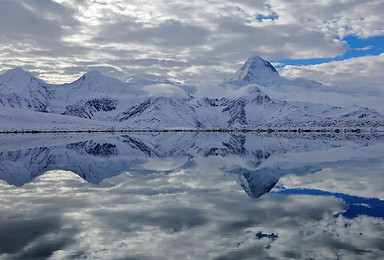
257 109
161 112
93 85
92 95
24 120
96 96
20 89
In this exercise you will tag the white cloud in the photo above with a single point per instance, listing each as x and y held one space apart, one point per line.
361 72
141 215
197 42
216 34
165 90
363 48
360 81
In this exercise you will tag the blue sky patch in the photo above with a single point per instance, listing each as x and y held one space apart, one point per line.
357 48
356 205
273 17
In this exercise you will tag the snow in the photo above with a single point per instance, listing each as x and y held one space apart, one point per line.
93 85
255 71
21 89
20 81
165 90
159 103
23 120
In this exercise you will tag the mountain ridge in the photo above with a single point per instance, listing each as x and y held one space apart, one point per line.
147 104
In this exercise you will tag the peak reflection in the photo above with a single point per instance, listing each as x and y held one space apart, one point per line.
255 162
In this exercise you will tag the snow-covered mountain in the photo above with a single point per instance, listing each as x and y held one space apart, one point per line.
20 89
161 103
94 84
258 71
255 71
161 112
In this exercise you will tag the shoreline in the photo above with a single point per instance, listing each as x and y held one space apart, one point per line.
214 130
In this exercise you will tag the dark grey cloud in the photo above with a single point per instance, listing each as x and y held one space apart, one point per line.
264 40
36 235
46 248
254 252
170 33
18 233
168 219
33 32
19 23
34 21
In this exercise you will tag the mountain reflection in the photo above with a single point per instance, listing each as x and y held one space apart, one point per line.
244 157
191 195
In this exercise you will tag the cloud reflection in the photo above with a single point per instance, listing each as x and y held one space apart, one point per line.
185 210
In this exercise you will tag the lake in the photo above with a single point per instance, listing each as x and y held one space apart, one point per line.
192 196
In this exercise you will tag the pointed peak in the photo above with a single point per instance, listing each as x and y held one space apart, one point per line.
255 70
20 74
19 71
255 58
256 62
96 77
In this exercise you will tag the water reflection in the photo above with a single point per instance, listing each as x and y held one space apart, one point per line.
180 195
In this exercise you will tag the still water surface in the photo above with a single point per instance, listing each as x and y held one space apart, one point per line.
191 196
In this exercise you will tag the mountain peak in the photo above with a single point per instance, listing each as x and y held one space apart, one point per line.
97 76
255 70
93 74
255 60
18 71
19 77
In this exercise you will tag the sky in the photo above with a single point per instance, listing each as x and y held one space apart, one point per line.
199 42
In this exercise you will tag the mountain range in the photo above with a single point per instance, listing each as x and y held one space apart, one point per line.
255 162
160 103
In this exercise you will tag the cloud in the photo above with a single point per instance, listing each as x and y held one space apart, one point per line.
198 42
170 216
361 72
364 48
359 80
170 33
21 22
